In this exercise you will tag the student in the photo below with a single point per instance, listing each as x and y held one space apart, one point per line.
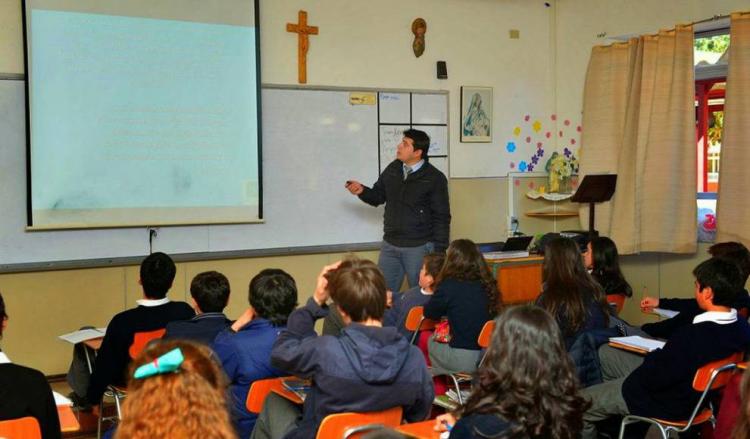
417 296
570 293
367 368
603 261
153 312
467 295
244 349
660 384
688 308
176 399
25 391
526 386
210 293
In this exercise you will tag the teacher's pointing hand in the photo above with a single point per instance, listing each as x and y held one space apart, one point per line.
354 187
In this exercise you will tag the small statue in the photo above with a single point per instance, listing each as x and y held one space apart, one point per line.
418 28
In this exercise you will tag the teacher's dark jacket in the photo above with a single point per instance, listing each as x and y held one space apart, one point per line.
417 209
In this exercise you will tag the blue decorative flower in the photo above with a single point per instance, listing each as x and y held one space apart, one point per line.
511 147
522 166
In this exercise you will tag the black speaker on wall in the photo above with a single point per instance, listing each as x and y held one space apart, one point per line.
442 70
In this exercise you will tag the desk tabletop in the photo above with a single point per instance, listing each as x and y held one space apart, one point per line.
628 348
68 421
279 389
420 430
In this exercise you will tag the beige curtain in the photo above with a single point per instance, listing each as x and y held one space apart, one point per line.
733 209
639 122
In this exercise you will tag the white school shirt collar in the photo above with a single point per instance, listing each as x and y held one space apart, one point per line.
4 358
152 302
425 292
719 317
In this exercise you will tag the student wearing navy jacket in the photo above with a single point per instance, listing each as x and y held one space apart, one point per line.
732 251
210 293
153 312
25 392
660 384
367 368
244 349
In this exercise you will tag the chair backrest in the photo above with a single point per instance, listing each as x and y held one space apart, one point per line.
21 428
353 425
618 300
416 322
703 376
141 339
486 334
258 391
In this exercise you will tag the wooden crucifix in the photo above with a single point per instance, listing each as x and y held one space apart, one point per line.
303 43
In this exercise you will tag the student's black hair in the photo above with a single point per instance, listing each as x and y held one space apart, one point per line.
421 141
723 277
210 290
735 252
157 275
3 314
606 268
273 295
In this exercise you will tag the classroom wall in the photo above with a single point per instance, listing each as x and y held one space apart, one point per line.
472 36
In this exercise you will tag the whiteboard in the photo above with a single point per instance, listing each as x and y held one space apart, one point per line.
313 141
394 108
429 109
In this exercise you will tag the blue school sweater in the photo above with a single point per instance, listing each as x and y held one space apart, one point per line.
662 386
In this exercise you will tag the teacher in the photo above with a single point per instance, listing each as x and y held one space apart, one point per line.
417 211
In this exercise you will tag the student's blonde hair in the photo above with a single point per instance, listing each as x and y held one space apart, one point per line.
188 403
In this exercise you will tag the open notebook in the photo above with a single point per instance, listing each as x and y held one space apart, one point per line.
638 343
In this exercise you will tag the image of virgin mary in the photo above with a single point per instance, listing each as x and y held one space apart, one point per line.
476 122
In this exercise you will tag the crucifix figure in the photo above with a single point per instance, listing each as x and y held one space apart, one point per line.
303 43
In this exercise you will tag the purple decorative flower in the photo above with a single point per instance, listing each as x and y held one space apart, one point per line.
530 168
567 152
540 152
535 160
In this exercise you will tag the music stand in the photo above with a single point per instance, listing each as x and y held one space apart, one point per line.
595 188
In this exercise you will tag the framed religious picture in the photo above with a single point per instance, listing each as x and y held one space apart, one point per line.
476 114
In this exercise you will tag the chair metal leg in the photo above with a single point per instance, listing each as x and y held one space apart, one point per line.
99 420
458 389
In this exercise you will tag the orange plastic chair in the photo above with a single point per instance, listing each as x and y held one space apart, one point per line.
618 300
712 376
140 341
21 428
259 390
354 425
416 322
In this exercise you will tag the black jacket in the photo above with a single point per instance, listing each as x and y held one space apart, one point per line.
365 369
417 210
202 328
25 392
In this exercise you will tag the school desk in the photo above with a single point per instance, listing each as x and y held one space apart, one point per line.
519 279
420 430
68 421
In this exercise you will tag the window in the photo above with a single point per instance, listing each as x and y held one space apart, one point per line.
711 61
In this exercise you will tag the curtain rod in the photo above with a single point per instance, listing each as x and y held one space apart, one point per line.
714 18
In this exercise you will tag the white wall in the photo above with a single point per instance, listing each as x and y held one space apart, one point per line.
368 43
